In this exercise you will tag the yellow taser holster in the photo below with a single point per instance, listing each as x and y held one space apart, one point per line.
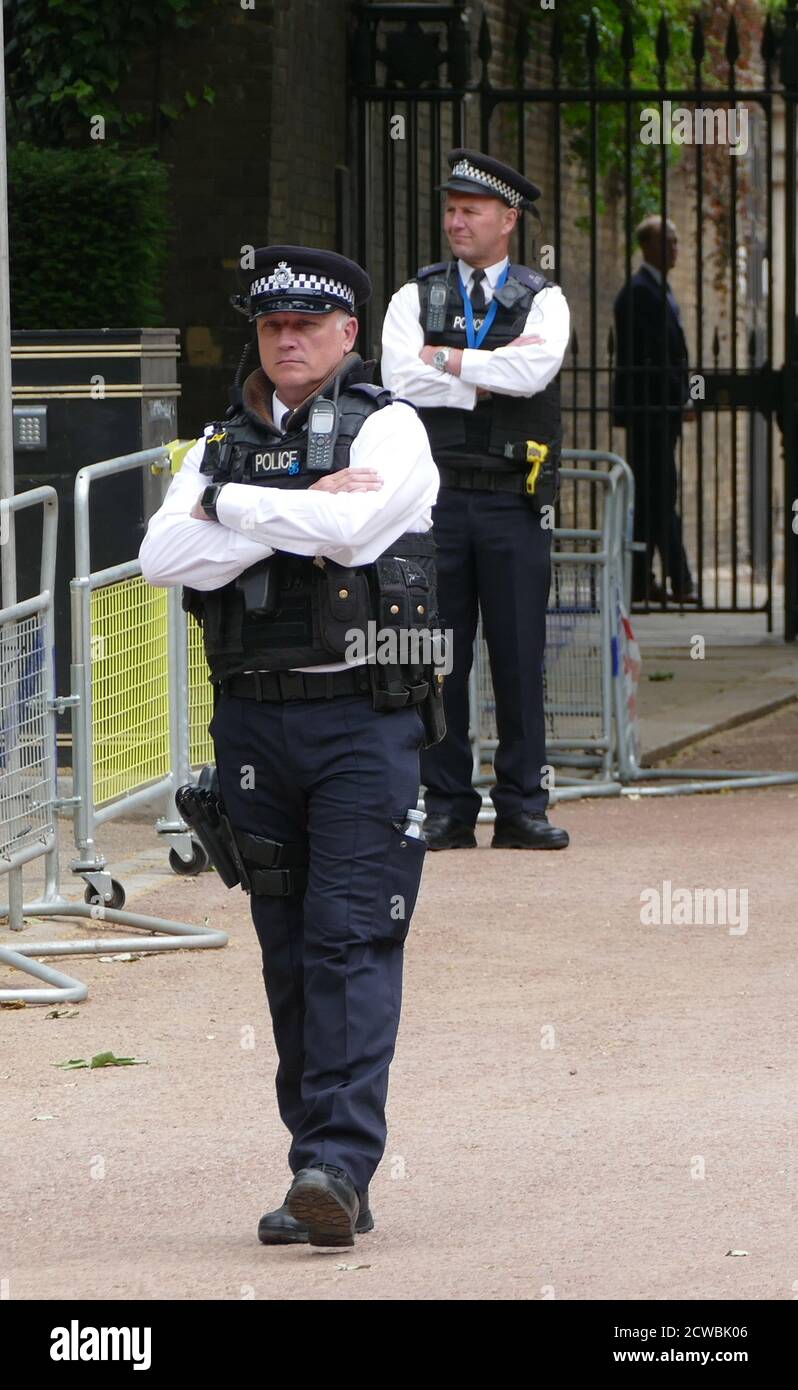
536 455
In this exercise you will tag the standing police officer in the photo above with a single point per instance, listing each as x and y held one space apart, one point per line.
477 343
286 523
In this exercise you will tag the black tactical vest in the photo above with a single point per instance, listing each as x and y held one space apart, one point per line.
291 610
477 438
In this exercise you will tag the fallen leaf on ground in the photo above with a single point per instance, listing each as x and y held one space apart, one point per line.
124 955
63 1013
101 1059
353 1266
107 1059
44 1117
13 1004
736 1252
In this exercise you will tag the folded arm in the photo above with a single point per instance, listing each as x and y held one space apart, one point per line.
178 549
352 528
524 368
402 368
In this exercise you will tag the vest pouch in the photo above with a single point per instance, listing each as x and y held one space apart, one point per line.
402 602
343 604
402 592
259 587
393 597
222 619
418 593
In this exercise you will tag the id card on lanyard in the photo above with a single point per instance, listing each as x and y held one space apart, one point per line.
473 338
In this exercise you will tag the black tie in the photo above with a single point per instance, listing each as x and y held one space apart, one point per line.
477 295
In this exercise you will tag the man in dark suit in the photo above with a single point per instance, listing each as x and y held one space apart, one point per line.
651 398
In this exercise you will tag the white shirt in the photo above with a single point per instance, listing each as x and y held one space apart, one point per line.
352 528
507 371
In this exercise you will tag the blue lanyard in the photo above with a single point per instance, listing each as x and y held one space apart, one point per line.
474 339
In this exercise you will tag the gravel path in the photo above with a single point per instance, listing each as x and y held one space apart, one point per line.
582 1106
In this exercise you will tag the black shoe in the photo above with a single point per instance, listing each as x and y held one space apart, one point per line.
654 593
444 832
323 1200
684 595
529 830
279 1227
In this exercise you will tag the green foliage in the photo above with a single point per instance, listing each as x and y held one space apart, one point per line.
88 232
88 223
66 59
645 71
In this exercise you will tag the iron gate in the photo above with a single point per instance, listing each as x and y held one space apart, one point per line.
570 114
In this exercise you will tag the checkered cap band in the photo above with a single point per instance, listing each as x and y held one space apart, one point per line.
277 283
465 169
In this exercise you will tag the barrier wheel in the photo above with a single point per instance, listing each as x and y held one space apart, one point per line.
187 868
117 895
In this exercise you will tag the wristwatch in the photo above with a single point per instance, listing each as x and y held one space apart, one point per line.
208 499
440 358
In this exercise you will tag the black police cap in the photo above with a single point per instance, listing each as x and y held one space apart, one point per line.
301 280
473 172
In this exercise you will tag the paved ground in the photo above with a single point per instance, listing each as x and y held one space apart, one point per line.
690 689
580 1104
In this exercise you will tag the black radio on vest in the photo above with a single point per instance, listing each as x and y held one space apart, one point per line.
322 430
436 307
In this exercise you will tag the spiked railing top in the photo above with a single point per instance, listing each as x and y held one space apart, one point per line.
732 42
697 45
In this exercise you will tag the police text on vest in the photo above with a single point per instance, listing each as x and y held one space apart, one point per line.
274 460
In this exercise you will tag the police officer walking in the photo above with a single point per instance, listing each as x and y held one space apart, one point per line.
301 518
477 344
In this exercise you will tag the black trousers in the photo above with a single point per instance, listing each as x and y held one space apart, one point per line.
652 456
494 555
333 776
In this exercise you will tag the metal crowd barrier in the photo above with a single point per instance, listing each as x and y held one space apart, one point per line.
591 570
130 677
29 799
592 664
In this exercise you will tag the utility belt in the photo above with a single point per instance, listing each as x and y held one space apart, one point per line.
390 687
264 868
279 686
389 604
486 479
538 481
